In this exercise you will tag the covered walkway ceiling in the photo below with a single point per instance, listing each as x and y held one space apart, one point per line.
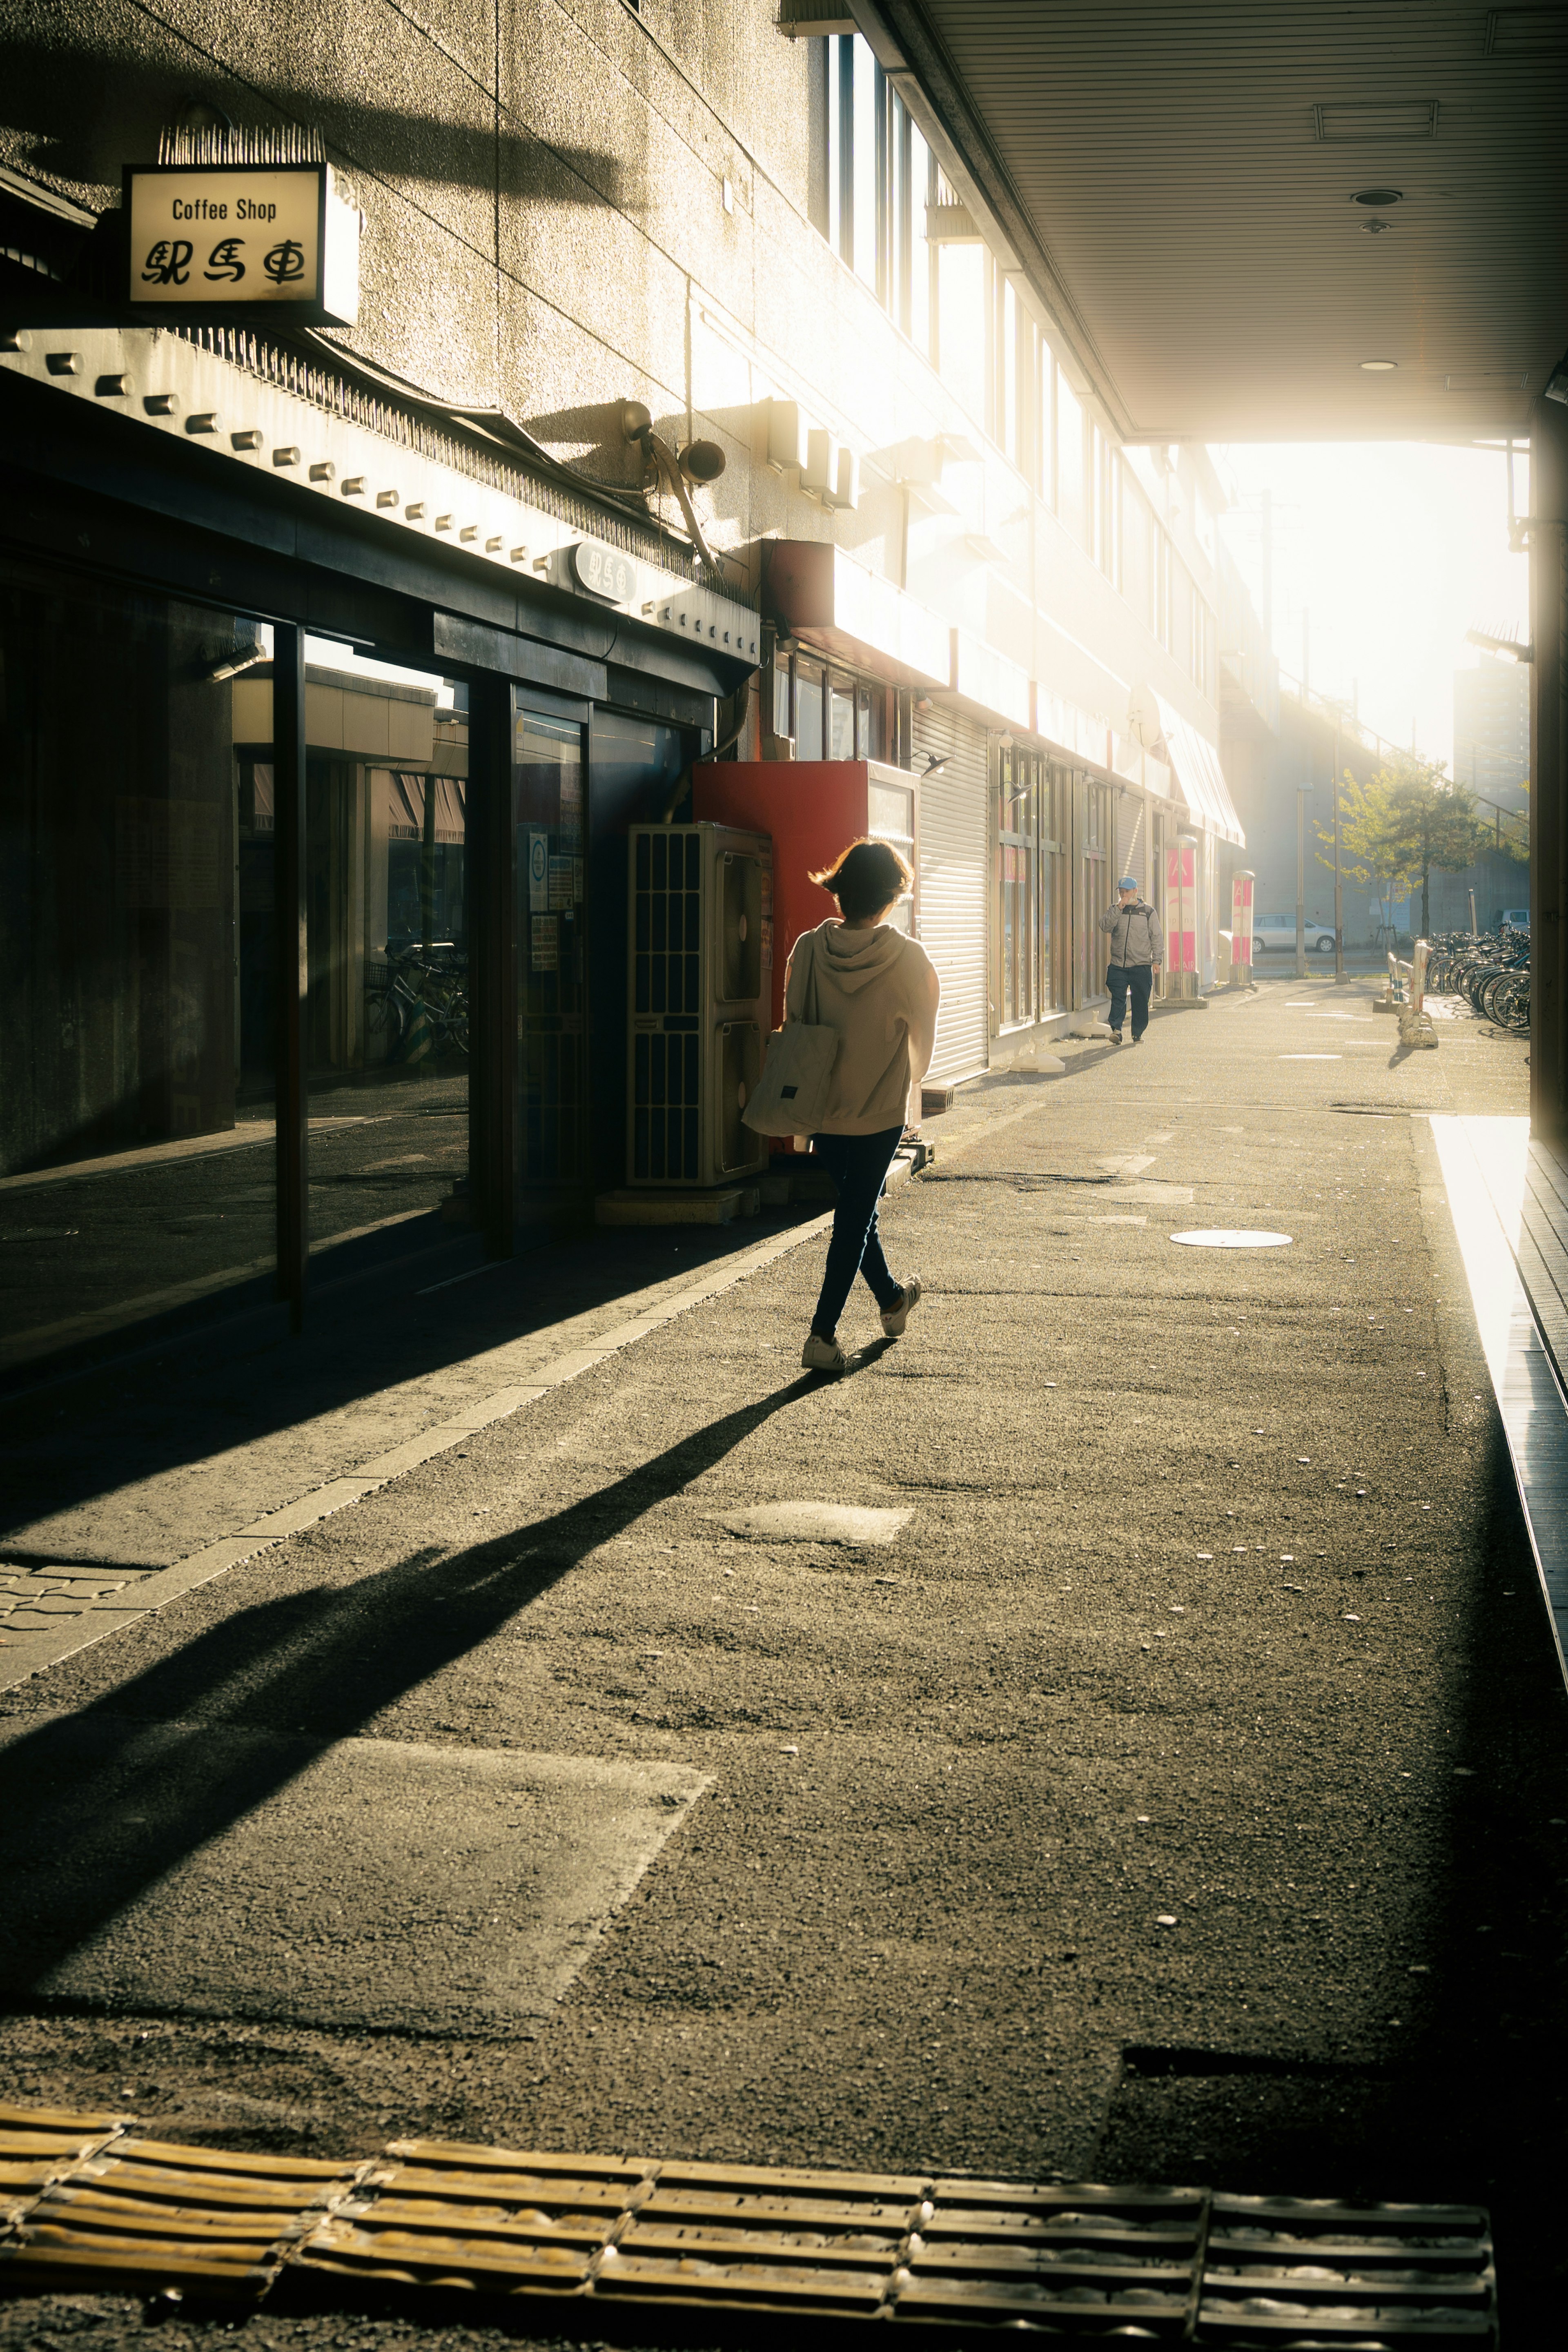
1183 184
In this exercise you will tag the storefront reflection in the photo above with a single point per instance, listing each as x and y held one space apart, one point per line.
135 1058
387 1027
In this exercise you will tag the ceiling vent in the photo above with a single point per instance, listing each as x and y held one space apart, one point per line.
1357 122
1526 33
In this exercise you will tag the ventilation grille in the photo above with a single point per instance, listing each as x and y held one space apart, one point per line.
1351 122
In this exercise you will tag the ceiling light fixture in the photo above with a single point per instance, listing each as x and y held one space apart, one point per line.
1378 367
1378 198
1375 228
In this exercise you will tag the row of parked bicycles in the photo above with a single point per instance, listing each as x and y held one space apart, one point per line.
1492 971
417 1005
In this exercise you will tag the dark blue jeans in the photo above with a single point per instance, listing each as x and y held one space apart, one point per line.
1134 980
857 1164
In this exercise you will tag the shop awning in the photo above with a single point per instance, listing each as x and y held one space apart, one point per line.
1200 776
406 792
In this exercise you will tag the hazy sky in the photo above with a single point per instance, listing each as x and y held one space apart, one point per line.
1394 550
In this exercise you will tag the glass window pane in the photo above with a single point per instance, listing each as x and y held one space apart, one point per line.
962 276
548 816
1071 501
920 250
834 146
864 136
808 701
841 717
136 956
386 1020
1010 370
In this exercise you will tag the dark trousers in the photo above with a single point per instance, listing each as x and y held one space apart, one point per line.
1134 980
857 1165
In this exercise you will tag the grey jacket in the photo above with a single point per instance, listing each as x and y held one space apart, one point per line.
1135 933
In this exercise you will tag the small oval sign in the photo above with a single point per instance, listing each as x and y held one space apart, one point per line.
603 572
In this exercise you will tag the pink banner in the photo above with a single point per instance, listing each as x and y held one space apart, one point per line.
1181 907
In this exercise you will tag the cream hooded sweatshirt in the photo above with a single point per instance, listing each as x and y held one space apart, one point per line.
880 989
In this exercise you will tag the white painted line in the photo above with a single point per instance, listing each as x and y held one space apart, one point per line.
32 1653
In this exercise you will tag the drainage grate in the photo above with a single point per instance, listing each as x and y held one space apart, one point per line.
1283 2270
85 2204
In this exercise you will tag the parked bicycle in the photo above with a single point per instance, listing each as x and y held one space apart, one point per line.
416 1004
1492 971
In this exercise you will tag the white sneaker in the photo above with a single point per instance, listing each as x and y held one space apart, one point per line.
895 1318
820 1355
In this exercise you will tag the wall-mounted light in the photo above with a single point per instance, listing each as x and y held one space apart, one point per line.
235 664
931 766
700 461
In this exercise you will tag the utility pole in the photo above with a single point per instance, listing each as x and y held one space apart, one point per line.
1339 896
1301 791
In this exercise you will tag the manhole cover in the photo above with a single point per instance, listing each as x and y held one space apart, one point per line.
835 1523
1220 1238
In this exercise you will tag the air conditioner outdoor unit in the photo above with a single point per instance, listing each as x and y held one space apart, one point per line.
699 968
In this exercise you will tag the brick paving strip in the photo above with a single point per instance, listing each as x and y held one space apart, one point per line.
48 1610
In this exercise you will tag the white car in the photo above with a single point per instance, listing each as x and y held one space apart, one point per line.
1516 918
1280 931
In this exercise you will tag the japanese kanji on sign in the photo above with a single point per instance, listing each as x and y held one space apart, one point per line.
232 238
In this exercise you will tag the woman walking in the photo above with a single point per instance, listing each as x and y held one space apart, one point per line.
876 987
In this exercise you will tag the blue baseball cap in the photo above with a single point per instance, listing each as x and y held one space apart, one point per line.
1128 882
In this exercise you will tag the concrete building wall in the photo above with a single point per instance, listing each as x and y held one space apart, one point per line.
1491 730
569 205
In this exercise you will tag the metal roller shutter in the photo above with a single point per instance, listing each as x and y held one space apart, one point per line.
955 886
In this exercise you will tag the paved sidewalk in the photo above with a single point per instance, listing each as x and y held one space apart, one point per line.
1023 1840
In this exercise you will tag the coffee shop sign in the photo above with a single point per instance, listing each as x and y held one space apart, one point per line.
227 239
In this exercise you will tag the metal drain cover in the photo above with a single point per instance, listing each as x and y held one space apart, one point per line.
1218 1237
833 1523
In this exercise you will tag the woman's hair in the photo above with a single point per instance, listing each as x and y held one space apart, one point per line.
866 878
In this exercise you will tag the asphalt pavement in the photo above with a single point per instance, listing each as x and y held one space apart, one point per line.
1011 1830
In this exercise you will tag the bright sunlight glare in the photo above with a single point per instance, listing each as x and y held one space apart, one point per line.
1384 554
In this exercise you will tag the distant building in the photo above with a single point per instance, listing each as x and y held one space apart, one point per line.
1491 730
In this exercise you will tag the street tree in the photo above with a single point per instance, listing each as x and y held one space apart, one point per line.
1371 839
1406 823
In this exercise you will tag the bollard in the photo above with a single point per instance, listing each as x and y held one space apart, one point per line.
1414 1021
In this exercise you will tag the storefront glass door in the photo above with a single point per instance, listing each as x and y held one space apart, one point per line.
548 820
386 1019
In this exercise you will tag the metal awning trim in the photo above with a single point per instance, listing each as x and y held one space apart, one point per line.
1200 776
168 385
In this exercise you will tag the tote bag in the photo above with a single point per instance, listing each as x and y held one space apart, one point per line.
790 1096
